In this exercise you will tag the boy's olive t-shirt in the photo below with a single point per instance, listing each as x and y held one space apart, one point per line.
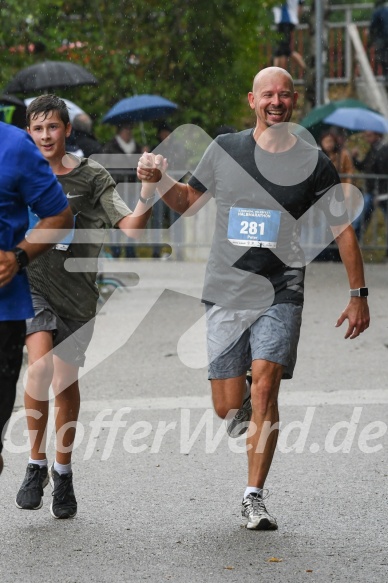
67 279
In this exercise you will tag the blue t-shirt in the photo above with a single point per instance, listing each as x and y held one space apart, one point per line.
26 179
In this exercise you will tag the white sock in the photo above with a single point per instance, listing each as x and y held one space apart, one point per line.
40 463
252 490
62 468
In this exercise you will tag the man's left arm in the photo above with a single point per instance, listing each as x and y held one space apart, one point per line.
357 310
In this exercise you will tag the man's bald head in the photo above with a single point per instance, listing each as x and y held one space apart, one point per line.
271 72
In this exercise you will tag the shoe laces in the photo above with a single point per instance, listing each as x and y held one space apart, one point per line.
33 478
257 501
62 486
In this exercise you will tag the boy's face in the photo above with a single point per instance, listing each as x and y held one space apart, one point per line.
49 134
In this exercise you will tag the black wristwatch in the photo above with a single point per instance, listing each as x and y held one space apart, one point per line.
361 292
21 258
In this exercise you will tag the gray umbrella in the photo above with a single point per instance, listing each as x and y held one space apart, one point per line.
49 75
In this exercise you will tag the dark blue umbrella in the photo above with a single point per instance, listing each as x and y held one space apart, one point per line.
139 108
358 120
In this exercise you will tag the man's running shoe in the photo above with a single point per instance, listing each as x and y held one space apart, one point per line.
64 504
254 514
30 495
240 422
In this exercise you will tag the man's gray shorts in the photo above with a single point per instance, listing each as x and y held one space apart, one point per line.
236 337
70 337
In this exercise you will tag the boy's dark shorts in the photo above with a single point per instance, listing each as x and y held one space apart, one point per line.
71 338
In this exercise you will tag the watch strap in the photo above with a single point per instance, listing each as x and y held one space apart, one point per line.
147 200
361 292
21 258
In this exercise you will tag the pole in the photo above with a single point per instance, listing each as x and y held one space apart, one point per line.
318 53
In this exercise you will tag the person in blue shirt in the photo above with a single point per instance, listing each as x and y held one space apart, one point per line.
26 180
286 19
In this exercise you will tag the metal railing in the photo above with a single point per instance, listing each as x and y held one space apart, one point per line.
340 67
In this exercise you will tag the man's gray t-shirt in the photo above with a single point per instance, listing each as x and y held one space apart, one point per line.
243 178
96 206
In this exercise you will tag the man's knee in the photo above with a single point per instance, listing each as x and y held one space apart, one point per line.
264 396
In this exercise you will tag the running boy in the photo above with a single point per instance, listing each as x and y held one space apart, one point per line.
65 304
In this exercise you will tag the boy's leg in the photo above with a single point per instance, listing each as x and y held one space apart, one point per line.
67 404
40 374
40 371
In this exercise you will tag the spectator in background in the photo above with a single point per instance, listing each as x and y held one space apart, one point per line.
333 146
123 143
286 18
374 162
83 135
378 35
338 154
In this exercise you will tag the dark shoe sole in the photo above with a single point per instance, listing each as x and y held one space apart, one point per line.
264 524
63 517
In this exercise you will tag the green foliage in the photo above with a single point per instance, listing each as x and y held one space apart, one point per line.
202 55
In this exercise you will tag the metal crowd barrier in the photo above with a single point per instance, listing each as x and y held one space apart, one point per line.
191 241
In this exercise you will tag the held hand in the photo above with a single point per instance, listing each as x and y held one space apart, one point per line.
150 168
8 267
357 313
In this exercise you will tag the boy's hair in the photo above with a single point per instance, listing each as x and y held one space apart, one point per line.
45 104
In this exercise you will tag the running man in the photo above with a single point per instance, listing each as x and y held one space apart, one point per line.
254 297
65 303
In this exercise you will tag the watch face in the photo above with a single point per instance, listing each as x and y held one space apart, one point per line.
363 292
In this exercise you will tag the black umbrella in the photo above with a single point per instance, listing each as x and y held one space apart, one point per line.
49 75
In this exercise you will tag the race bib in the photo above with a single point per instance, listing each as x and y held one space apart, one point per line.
253 227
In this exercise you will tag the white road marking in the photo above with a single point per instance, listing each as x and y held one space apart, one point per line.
291 399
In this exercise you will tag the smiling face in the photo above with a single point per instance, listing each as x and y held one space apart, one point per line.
272 98
49 133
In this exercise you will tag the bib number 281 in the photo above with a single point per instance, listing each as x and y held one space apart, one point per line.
250 227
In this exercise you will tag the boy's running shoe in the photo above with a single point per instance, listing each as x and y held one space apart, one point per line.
30 495
64 504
